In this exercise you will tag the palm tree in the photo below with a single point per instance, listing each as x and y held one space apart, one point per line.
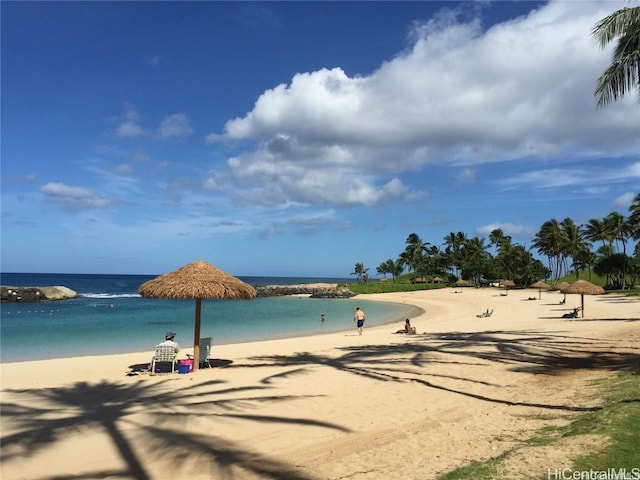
585 260
616 229
383 269
573 243
517 263
595 231
634 217
394 268
475 259
413 251
454 242
498 238
549 241
361 273
624 72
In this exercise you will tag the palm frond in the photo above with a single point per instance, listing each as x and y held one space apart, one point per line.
623 75
615 25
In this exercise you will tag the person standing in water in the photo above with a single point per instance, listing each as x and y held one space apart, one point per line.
359 317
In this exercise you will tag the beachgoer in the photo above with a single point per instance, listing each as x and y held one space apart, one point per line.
359 317
407 327
169 340
322 317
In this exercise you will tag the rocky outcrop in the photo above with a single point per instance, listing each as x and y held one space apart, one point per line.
35 294
313 290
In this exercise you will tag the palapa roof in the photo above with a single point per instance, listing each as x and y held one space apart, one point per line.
508 283
583 287
460 282
197 280
539 284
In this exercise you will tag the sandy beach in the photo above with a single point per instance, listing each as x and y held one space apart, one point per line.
332 406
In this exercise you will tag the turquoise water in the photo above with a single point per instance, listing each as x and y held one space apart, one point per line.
110 317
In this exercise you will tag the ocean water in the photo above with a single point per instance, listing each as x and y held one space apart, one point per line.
110 317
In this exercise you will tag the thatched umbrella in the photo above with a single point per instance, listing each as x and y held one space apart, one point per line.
197 280
539 285
583 288
461 283
507 284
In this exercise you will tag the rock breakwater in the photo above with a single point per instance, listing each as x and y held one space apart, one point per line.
35 294
313 290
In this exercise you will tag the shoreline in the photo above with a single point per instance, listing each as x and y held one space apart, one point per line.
462 389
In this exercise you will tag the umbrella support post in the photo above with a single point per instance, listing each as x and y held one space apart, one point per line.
196 336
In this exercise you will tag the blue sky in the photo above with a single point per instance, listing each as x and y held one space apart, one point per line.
298 138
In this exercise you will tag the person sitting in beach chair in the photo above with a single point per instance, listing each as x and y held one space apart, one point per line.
166 352
485 314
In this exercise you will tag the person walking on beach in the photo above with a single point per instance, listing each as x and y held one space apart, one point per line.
358 317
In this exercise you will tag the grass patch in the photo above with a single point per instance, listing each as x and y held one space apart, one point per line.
389 287
476 471
400 284
618 421
544 437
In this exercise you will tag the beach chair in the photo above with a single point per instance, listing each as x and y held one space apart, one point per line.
205 350
164 354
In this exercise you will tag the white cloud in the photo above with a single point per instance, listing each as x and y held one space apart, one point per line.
594 179
465 177
213 138
459 96
511 229
547 178
74 198
154 61
343 226
623 201
176 125
129 125
123 168
28 178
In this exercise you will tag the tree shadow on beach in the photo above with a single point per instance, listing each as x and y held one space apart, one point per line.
140 420
535 352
